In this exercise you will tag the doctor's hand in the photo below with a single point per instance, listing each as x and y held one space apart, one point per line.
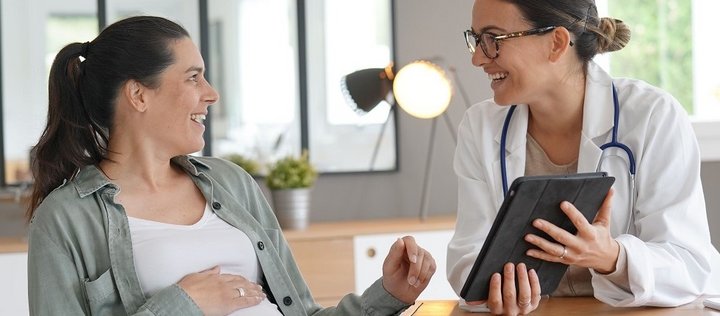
505 299
592 246
407 270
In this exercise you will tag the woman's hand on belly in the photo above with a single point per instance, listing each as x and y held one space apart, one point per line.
221 294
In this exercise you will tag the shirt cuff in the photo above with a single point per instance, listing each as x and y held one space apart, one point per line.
378 301
619 277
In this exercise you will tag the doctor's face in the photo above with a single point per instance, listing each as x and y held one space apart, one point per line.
517 69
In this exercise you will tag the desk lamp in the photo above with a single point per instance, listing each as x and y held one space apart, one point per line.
421 88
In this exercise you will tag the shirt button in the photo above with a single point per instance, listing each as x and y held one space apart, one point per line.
261 246
287 301
216 205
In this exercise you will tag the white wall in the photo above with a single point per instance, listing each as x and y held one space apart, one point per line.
711 184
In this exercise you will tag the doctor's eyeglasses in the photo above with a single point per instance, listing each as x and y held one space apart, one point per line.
488 42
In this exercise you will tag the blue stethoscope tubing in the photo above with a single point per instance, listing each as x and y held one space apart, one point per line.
614 143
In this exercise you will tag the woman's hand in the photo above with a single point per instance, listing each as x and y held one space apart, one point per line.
504 299
407 270
221 294
592 246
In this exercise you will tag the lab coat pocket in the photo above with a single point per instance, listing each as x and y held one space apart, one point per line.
101 294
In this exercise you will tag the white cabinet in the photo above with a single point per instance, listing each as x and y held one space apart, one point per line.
370 252
13 284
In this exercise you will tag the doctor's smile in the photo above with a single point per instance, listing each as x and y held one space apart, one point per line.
496 78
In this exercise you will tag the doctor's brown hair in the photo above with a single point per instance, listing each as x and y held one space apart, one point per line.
593 35
82 95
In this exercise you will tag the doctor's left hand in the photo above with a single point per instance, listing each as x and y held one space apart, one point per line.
592 246
407 270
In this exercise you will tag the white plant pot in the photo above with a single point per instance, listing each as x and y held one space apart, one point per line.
292 207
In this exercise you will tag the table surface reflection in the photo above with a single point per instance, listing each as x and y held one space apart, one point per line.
569 306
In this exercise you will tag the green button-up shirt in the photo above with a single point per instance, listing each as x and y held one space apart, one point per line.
80 258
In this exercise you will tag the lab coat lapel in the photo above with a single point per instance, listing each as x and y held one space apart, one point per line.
598 117
514 149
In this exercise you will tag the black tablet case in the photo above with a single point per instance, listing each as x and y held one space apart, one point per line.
530 198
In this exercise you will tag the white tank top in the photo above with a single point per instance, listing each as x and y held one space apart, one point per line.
165 253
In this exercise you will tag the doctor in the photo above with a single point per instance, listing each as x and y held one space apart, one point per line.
650 243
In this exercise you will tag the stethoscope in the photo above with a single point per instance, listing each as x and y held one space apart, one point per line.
614 143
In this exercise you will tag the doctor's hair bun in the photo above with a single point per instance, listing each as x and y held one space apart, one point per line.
591 35
613 34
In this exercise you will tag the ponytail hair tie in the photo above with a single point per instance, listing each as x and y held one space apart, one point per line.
84 49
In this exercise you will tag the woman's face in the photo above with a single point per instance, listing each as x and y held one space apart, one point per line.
515 73
177 108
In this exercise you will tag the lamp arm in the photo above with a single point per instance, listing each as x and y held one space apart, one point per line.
450 125
425 198
379 139
463 93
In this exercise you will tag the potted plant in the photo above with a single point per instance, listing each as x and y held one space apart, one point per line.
249 165
290 179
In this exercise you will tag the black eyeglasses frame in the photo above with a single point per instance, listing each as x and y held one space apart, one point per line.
497 38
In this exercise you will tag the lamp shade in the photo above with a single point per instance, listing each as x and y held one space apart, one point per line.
366 88
422 89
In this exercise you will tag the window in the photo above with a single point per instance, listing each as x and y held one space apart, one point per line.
25 68
277 65
254 67
673 47
182 12
345 36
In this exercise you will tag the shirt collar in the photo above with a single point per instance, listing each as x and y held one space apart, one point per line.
598 112
190 164
89 179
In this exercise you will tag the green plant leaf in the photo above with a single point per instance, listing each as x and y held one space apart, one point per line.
291 173
249 165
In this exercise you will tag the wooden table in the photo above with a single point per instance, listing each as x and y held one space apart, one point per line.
568 306
11 245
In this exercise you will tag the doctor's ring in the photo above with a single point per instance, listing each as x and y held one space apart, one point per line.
564 253
241 291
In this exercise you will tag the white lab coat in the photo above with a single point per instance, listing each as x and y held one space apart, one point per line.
670 260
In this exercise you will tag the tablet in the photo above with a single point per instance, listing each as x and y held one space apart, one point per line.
527 199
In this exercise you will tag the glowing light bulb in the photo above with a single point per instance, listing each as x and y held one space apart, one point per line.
422 89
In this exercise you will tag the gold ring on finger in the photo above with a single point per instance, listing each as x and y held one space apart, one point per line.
564 253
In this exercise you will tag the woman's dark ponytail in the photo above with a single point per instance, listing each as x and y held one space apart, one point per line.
69 140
